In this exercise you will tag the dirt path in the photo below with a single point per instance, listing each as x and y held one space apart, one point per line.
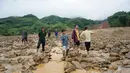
53 66
56 65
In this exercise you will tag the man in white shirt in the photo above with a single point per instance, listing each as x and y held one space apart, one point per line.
86 38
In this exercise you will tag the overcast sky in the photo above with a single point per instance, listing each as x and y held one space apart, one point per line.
91 9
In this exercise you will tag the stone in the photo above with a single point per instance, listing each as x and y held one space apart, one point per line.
69 68
76 64
125 70
126 62
128 55
84 64
2 68
20 60
113 66
124 51
117 50
113 54
46 60
112 59
109 45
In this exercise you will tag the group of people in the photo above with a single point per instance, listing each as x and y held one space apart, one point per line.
76 38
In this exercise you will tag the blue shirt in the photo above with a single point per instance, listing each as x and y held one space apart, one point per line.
64 39
56 33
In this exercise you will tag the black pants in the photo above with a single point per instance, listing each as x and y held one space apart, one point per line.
87 45
24 39
77 43
43 45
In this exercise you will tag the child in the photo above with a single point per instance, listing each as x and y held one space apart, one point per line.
64 39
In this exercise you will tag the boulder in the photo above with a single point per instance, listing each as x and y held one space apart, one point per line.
2 68
117 50
128 55
124 51
76 64
113 54
69 68
83 64
126 62
46 59
112 59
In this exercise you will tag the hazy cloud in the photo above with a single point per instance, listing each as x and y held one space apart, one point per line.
92 9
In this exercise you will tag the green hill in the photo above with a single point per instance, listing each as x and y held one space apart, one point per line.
14 25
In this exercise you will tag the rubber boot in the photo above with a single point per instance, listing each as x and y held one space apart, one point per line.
67 51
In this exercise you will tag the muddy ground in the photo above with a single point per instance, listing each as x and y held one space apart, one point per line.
110 53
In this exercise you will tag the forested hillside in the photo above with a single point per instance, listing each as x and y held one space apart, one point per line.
14 25
120 19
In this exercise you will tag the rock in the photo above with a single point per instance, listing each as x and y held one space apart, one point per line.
10 54
69 59
128 55
124 51
20 60
113 54
28 63
84 64
126 62
113 66
69 68
109 45
31 62
109 71
74 53
117 50
46 60
2 68
36 59
76 64
125 70
112 59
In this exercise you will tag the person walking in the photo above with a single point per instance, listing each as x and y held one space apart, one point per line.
49 34
42 40
86 38
64 40
75 37
24 37
56 33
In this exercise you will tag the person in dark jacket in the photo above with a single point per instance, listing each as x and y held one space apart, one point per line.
75 37
42 40
56 33
49 34
24 37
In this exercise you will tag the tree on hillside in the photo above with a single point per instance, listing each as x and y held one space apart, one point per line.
119 19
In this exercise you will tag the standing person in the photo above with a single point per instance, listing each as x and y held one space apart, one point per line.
75 37
86 37
64 40
56 33
24 37
49 34
41 35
